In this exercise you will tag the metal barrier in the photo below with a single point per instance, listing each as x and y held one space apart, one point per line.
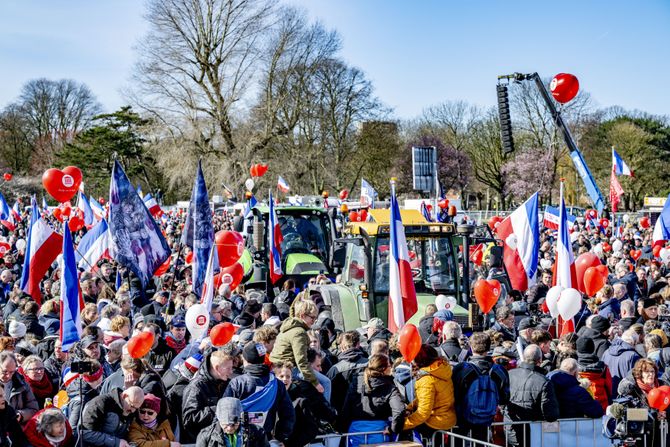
333 440
455 439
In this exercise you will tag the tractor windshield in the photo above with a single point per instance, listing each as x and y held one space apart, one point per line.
303 234
430 259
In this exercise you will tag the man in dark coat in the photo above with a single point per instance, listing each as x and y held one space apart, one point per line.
596 329
10 429
532 396
505 323
203 392
426 322
351 361
280 417
621 357
107 417
574 401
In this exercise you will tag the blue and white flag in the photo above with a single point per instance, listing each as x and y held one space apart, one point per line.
662 226
368 194
119 280
199 231
136 241
251 204
85 207
70 298
619 166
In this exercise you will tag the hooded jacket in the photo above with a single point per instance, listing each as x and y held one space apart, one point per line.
103 422
291 345
380 401
620 359
351 363
255 377
601 381
434 403
573 400
601 342
199 401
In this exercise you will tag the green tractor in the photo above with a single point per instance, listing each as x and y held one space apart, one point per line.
362 290
307 247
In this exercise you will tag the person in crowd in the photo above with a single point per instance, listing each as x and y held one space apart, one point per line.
161 354
373 403
629 279
451 347
594 370
597 328
351 362
89 316
29 318
505 323
526 327
543 340
426 322
574 401
627 311
81 389
33 372
609 306
176 337
375 330
292 342
621 356
156 306
11 433
54 364
175 381
17 392
113 356
49 428
648 309
150 429
202 394
433 407
107 417
532 396
263 392
228 431
49 317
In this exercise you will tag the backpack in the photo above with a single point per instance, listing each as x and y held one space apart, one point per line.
481 401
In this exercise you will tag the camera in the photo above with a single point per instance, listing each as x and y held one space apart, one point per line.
624 423
81 367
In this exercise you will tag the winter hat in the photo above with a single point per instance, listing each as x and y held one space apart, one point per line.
17 329
646 304
152 402
585 346
444 315
254 353
600 324
252 307
193 362
228 410
245 319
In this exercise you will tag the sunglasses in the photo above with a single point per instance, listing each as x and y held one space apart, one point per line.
147 412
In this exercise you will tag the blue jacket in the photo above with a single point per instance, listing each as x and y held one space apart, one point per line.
620 359
51 323
610 309
573 400
256 376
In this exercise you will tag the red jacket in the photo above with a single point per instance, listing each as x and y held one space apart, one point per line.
601 384
39 440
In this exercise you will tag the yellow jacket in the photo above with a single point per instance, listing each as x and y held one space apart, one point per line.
434 403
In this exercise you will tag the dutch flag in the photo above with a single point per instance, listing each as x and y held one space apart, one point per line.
274 243
71 303
662 226
620 166
282 185
93 246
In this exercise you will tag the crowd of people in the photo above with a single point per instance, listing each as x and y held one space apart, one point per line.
290 375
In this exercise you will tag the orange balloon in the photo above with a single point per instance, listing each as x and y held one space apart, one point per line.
363 214
593 281
75 224
487 293
140 344
645 222
354 216
222 333
659 398
409 342
656 250
635 254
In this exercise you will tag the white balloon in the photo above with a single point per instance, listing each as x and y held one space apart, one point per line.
617 245
552 300
598 250
664 254
512 241
569 303
545 263
20 244
626 217
197 320
445 302
249 183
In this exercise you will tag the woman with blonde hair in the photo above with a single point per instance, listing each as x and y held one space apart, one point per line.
33 371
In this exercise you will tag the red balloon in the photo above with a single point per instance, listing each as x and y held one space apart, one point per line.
583 262
564 87
58 214
607 247
75 224
635 254
221 334
62 185
101 200
4 248
656 250
487 293
645 222
253 170
477 257
604 223
229 247
494 221
344 194
363 214
409 342
594 281
7 176
354 216
139 345
443 204
659 398
189 258
261 169
232 275
592 214
164 267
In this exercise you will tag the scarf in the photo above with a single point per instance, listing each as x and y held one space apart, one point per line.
55 441
151 425
41 388
646 388
178 346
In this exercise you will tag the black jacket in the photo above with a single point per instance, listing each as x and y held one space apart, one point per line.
508 334
281 417
532 396
10 429
380 401
350 364
199 401
425 327
161 356
75 402
213 436
54 369
103 421
175 383
32 325
453 351
626 323
599 340
313 414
